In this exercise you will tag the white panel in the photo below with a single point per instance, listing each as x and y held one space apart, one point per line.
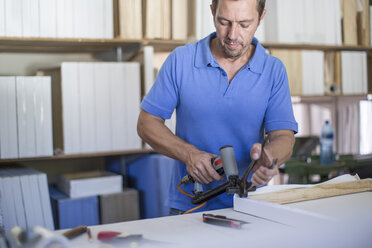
179 19
97 19
27 200
133 93
365 131
25 113
204 19
38 218
71 108
8 118
354 72
61 18
45 201
108 20
2 19
92 19
18 201
48 18
13 18
118 111
271 21
87 108
148 57
313 72
260 32
30 18
102 105
80 18
43 116
70 22
9 213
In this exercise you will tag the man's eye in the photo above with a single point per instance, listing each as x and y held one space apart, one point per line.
224 23
244 25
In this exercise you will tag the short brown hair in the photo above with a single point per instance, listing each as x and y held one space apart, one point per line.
260 6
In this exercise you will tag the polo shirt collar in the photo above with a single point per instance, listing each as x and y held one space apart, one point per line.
205 58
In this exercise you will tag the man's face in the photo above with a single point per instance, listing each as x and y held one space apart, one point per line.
236 22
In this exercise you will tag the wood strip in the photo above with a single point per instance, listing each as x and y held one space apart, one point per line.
316 192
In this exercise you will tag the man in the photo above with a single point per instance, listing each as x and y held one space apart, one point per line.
226 91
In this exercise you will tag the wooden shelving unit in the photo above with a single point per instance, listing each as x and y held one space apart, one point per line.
53 45
77 156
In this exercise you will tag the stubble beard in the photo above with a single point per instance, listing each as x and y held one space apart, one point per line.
232 54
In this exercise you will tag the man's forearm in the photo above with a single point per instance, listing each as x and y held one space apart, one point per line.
281 145
154 132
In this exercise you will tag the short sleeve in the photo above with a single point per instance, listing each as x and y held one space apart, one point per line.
279 112
162 99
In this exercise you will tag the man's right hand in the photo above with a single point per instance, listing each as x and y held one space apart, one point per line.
199 166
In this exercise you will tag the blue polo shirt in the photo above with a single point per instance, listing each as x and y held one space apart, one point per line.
211 112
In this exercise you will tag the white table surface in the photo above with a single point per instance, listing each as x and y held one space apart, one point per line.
190 231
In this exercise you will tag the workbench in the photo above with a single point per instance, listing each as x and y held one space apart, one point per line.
301 171
352 227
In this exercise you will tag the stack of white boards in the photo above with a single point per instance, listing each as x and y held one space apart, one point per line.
57 19
312 25
25 117
324 73
100 191
24 198
96 106
268 202
90 183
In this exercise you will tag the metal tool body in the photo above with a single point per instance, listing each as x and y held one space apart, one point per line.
234 184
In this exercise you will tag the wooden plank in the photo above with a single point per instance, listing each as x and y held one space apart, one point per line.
316 192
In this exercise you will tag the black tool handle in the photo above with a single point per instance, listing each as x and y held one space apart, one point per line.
210 194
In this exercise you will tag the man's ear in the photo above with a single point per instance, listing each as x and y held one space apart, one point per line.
213 14
262 16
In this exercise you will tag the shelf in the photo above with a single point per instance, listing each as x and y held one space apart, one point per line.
324 98
77 156
59 45
317 47
49 45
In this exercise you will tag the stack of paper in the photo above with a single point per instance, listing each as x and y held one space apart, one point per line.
180 19
157 19
84 184
204 24
312 72
305 70
26 123
313 25
365 133
354 72
24 198
99 107
56 18
130 19
8 118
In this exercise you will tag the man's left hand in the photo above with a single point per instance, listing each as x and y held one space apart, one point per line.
263 171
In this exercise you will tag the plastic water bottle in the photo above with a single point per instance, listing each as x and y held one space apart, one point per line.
326 145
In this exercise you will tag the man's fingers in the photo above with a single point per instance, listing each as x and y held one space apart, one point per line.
213 173
256 151
263 175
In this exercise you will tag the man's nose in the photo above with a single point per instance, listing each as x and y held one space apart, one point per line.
233 31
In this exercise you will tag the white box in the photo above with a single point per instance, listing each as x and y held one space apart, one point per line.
90 183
